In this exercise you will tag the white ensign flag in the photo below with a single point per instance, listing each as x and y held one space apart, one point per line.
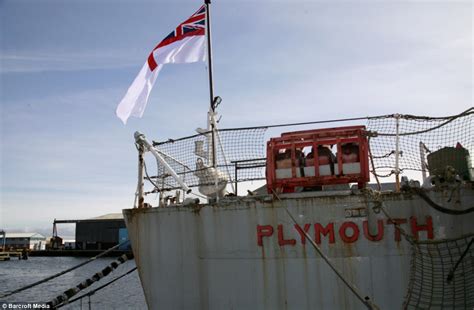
186 44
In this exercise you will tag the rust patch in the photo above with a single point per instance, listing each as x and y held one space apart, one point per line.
348 249
196 209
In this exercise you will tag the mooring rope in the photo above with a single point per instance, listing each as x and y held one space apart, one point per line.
64 297
62 272
92 292
365 300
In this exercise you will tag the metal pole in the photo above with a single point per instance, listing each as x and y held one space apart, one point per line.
423 160
236 175
141 165
211 84
214 152
397 152
2 233
54 228
209 52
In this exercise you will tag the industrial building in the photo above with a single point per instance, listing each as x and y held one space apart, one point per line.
31 241
98 233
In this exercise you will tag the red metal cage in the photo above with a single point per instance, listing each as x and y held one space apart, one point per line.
313 158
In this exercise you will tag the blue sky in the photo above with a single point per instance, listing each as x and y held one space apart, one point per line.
65 65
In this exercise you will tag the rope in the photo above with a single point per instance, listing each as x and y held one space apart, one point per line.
429 267
431 261
404 116
365 300
426 118
148 177
306 123
62 272
436 206
409 116
384 175
64 297
449 120
92 292
451 273
384 156
376 197
155 143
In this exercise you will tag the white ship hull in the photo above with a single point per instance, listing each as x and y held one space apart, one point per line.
245 252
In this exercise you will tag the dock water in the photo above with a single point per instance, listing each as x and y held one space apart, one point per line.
124 294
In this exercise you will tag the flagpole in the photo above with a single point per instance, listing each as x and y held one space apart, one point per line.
211 85
209 52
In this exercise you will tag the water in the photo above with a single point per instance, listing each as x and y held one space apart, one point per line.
125 293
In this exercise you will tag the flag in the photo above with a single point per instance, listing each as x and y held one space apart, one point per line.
185 44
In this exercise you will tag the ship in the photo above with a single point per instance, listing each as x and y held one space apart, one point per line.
362 213
368 212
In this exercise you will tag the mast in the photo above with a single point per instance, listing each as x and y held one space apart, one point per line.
211 113
209 53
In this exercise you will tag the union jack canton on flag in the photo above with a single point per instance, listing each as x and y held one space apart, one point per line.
193 26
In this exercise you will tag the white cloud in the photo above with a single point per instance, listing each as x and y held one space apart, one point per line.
29 62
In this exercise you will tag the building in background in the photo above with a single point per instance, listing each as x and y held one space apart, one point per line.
98 233
31 241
